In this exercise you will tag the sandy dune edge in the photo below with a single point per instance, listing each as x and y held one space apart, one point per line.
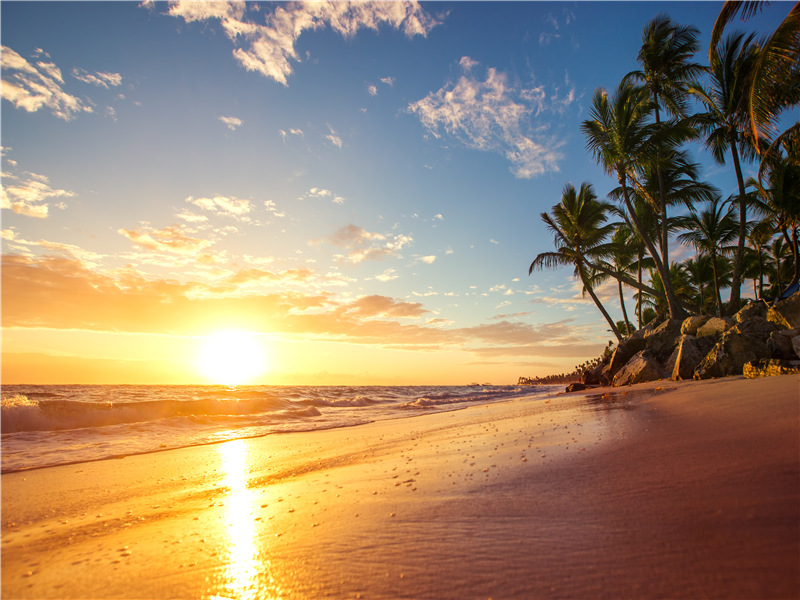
687 489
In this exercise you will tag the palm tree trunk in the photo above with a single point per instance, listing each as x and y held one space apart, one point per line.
676 311
639 278
622 304
716 284
736 279
587 286
623 278
760 273
662 196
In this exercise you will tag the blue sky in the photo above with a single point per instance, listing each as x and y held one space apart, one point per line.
357 185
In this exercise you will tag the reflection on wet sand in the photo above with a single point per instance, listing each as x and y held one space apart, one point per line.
245 577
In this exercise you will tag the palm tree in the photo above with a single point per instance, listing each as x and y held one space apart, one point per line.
579 226
666 60
622 141
775 84
711 231
701 277
725 124
759 237
648 219
622 254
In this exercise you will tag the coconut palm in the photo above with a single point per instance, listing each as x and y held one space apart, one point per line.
622 140
666 60
701 277
623 260
579 224
711 231
775 84
759 237
725 123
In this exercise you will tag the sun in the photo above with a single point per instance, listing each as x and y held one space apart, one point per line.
232 358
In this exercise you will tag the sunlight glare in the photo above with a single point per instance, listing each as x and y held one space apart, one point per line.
232 358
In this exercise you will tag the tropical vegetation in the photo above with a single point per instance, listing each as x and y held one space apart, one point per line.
640 132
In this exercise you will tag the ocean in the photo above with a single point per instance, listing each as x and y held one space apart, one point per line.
48 425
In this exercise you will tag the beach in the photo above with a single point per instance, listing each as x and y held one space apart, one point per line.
658 490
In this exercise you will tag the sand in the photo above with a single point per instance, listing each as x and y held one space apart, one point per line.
662 490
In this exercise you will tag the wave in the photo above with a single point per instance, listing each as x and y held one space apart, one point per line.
22 413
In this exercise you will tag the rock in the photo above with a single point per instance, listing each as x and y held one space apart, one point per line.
756 326
575 387
642 367
796 345
771 367
729 355
756 308
661 341
779 344
786 313
624 351
715 326
689 353
691 324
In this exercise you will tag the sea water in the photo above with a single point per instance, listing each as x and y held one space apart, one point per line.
47 425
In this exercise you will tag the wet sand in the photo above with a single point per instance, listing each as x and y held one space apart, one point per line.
677 490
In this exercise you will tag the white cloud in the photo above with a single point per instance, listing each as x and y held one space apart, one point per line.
99 79
269 49
428 260
334 138
171 240
373 90
387 275
237 208
363 245
272 208
323 193
388 81
296 132
34 86
231 122
29 193
492 115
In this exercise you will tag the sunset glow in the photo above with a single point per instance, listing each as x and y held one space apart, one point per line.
232 358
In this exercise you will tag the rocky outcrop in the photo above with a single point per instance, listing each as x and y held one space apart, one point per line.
642 367
771 367
786 313
689 353
575 387
729 355
702 347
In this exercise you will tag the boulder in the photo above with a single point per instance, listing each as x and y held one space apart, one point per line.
796 345
786 313
755 326
689 353
771 367
661 341
575 387
756 308
780 346
729 355
624 351
715 326
691 324
642 367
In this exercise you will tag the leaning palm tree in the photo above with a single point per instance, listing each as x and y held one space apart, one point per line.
725 124
666 69
579 224
622 139
711 231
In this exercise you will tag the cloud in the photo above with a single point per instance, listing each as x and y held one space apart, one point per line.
33 86
334 138
28 194
373 306
237 208
492 115
269 48
104 80
231 122
323 193
373 90
173 239
388 81
296 132
364 245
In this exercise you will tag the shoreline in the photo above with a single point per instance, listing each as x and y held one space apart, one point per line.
661 489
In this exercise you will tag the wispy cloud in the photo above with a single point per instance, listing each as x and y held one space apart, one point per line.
492 115
363 245
269 49
231 122
173 239
104 80
322 193
334 138
38 84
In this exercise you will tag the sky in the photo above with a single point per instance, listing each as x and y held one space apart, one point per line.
326 193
